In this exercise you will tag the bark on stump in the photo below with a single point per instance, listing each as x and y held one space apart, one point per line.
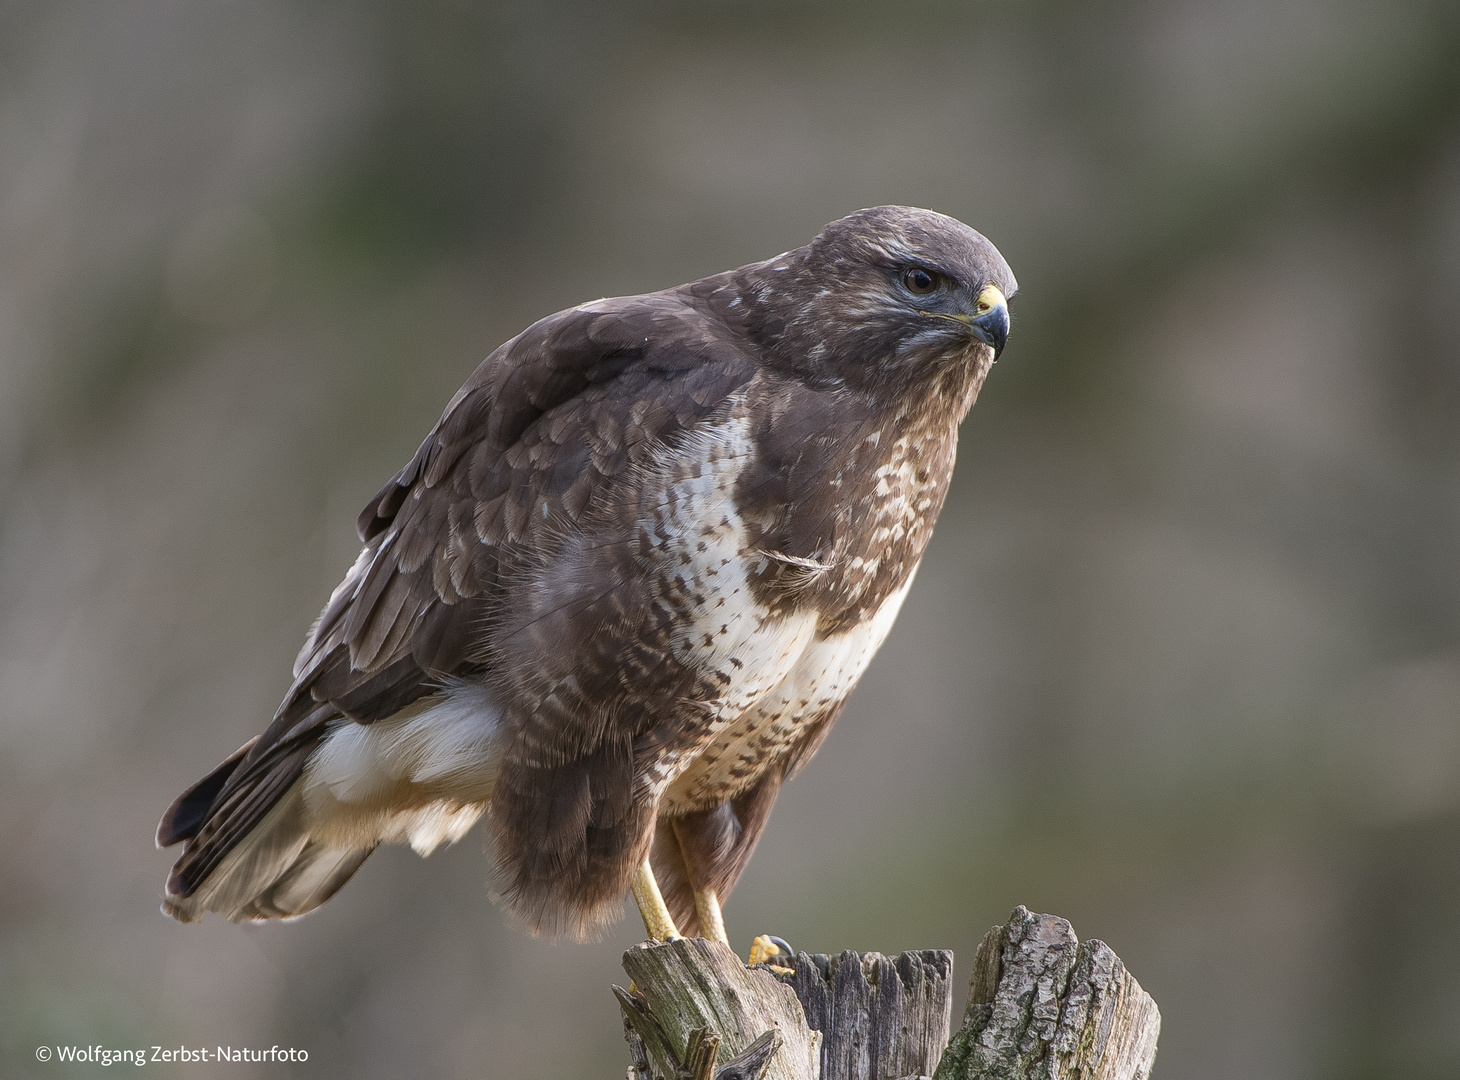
1041 1006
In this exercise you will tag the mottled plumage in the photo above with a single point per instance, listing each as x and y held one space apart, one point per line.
623 588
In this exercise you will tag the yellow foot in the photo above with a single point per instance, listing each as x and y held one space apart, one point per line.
767 949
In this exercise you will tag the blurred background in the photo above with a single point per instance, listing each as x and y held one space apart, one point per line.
1183 661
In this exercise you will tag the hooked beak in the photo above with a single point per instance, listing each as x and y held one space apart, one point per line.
990 324
989 321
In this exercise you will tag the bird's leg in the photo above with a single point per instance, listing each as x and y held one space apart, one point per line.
712 923
657 920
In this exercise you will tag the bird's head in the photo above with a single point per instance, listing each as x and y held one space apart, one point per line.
890 294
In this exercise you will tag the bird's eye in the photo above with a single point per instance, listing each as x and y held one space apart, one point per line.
920 282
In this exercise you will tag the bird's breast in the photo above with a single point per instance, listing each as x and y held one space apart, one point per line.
814 685
876 517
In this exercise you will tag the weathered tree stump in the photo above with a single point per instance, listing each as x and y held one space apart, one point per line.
1041 1006
1044 1006
878 1016
689 985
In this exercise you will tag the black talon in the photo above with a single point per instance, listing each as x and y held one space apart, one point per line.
784 945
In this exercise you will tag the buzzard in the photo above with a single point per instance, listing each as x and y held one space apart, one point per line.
622 590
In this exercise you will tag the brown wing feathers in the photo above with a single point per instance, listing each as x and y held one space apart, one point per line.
545 424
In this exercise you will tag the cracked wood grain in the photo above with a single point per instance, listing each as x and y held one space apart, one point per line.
1044 1006
689 984
880 1017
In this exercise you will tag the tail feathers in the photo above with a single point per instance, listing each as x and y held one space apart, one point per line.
317 874
189 810
278 828
277 871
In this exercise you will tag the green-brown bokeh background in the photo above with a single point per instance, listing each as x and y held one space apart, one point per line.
1182 663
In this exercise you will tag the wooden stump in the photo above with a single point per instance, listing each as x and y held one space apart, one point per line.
692 985
880 1018
1041 1006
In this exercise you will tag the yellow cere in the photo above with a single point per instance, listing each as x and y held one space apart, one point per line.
989 299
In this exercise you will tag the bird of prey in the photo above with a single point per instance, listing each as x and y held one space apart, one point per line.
622 590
